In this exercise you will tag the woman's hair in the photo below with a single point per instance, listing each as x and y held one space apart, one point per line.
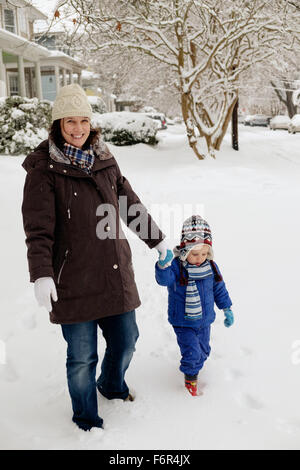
57 137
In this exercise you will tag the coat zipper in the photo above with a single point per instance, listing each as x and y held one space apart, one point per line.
62 266
69 202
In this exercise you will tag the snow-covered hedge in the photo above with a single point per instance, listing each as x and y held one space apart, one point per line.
23 124
125 128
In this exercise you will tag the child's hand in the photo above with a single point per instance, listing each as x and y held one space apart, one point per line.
165 255
229 319
165 259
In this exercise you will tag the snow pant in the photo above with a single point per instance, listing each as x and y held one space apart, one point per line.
194 347
120 333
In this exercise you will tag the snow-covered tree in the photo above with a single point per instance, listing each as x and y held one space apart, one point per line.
208 45
256 94
268 87
284 88
131 73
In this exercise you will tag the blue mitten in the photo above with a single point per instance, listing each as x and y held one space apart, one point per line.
229 319
165 262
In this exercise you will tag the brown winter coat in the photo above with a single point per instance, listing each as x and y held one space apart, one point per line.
94 277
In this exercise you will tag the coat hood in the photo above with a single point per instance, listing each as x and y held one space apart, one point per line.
39 153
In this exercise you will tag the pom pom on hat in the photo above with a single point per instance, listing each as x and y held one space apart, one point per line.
71 101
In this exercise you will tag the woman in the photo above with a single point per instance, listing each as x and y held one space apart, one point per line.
79 259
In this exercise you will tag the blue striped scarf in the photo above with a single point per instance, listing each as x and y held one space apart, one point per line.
82 158
193 307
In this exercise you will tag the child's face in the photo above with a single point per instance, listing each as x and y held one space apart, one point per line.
198 256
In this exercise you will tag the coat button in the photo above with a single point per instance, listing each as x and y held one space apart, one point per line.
65 171
112 187
107 228
51 166
115 266
75 194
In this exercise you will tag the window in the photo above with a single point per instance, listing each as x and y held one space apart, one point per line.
13 83
9 20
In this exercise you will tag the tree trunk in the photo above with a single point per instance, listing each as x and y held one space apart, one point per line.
234 124
225 125
212 143
292 109
286 98
189 124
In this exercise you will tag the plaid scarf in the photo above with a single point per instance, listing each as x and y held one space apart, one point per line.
193 307
82 158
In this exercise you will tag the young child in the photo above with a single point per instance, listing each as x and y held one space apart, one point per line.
194 284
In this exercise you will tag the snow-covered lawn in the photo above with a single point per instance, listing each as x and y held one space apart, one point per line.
250 382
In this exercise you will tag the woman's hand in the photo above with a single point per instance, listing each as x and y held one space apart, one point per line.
44 289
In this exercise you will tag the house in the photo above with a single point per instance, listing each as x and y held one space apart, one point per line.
35 60
20 57
60 68
27 67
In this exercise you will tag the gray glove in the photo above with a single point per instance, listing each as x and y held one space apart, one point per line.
44 289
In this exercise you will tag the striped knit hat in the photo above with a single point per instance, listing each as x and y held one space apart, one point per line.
195 233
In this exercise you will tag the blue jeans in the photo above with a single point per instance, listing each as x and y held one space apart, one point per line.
194 348
120 333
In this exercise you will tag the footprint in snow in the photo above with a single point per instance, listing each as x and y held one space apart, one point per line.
216 355
246 351
288 427
250 401
233 374
28 320
8 372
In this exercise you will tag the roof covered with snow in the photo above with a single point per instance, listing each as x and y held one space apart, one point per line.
48 7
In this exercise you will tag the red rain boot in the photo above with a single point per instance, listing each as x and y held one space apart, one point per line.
191 385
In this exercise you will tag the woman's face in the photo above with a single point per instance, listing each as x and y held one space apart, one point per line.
75 130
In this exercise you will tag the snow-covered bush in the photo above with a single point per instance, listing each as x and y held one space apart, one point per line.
23 124
125 128
97 104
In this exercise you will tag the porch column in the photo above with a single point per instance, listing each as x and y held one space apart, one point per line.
3 87
79 79
64 77
56 71
71 76
21 73
38 81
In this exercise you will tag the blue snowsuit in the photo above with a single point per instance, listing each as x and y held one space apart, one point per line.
193 336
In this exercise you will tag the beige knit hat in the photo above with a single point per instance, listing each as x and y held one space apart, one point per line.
71 101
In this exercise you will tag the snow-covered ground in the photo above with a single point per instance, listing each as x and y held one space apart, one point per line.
250 382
